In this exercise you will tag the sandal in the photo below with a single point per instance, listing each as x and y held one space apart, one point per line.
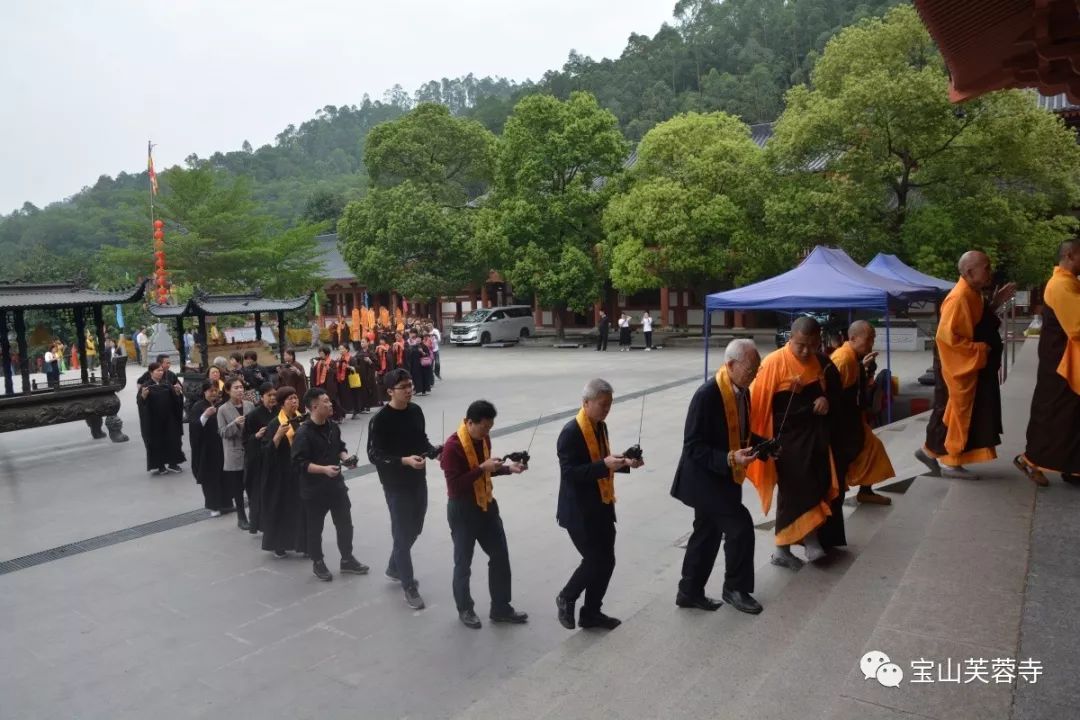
1033 473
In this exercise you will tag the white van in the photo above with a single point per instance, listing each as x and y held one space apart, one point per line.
496 324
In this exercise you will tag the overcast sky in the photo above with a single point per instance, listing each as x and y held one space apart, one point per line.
84 85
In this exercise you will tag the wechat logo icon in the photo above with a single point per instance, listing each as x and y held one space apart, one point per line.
876 665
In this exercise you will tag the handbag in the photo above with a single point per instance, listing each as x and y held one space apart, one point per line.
425 361
354 380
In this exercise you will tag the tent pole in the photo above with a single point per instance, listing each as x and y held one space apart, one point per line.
708 323
888 366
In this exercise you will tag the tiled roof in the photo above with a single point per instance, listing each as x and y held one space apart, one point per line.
229 305
1057 103
26 296
334 267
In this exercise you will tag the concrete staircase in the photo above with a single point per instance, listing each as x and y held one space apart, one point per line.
938 575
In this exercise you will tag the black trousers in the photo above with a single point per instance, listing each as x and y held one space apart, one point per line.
648 339
335 500
601 341
408 506
596 543
232 484
470 525
711 526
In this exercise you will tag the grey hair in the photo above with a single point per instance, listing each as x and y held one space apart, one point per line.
737 349
595 388
220 362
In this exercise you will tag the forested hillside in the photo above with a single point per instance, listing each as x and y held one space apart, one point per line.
738 56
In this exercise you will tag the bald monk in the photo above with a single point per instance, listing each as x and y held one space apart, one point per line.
790 401
965 424
1053 432
860 456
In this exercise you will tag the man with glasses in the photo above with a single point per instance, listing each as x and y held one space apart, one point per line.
712 467
398 447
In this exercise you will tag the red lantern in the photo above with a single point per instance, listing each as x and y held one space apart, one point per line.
158 224
160 255
159 234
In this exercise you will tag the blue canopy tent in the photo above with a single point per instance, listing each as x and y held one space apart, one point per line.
827 279
894 268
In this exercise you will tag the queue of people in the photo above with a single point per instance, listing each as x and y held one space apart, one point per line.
794 424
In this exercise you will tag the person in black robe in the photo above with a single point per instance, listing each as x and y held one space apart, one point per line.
414 351
324 377
161 411
602 330
253 432
208 456
282 515
292 373
364 362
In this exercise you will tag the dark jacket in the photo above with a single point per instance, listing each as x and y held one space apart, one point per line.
703 478
579 492
321 445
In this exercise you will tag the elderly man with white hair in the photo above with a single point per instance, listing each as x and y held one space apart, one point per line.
587 505
716 451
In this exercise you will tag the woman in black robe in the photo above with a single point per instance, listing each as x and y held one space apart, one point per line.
282 510
253 433
161 412
208 456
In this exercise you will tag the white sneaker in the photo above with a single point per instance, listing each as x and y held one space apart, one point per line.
215 513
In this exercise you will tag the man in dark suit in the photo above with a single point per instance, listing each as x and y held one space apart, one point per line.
709 479
587 505
602 328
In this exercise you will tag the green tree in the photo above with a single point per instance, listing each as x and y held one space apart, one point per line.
216 239
693 208
399 239
418 231
324 205
910 173
552 156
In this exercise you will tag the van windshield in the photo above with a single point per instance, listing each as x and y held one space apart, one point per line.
476 316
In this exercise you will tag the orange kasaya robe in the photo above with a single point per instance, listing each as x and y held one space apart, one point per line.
871 464
961 359
809 483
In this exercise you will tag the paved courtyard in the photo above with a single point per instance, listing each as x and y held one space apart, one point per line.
197 621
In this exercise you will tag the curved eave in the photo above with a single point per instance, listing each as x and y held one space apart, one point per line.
41 297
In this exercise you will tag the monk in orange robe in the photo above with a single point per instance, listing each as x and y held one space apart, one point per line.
790 401
860 456
965 423
1053 432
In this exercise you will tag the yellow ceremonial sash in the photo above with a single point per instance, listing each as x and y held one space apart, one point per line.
598 450
482 488
731 416
283 419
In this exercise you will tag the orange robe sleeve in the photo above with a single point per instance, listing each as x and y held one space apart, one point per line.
847 364
961 359
1062 295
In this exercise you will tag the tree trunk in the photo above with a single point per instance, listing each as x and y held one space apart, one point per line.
557 317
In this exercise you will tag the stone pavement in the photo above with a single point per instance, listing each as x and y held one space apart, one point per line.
197 622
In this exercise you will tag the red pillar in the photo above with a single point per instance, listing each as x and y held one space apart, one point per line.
665 309
538 313
484 295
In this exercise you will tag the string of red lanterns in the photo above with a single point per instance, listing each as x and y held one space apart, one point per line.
160 273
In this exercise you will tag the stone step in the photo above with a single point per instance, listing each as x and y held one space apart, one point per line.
664 662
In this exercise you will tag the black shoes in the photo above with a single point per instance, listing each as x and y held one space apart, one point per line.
412 597
174 468
566 612
280 554
353 566
321 571
742 601
509 615
598 620
392 575
241 519
701 603
468 619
